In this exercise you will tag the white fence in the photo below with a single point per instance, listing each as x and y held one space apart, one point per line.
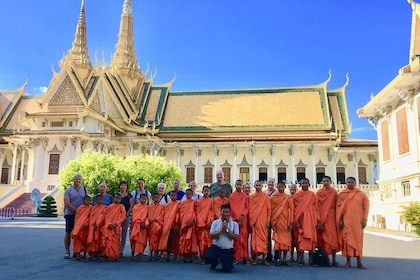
11 212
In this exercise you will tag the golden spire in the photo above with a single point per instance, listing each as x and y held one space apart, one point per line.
125 56
79 52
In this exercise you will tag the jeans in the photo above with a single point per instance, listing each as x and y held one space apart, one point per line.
214 254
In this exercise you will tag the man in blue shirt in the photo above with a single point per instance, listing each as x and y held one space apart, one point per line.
224 231
106 197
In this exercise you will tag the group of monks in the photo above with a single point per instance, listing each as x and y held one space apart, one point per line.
306 220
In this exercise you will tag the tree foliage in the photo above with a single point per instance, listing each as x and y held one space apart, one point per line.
97 168
48 207
412 215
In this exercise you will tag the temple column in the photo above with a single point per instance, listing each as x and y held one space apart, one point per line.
292 169
178 156
273 162
370 170
356 166
311 152
216 167
253 173
333 158
1 159
22 163
235 164
13 147
197 157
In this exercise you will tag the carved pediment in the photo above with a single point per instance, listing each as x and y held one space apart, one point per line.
66 95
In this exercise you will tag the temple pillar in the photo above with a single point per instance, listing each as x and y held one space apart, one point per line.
235 164
273 162
292 169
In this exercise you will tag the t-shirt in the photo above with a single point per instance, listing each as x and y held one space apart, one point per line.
107 199
126 201
179 195
136 195
214 189
224 242
75 196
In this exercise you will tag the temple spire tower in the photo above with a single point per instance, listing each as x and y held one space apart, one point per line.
125 56
78 55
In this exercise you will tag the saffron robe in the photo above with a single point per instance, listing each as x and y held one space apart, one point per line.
328 238
169 237
138 235
111 237
352 208
282 211
259 217
239 205
187 235
80 231
217 203
204 215
96 223
306 213
156 211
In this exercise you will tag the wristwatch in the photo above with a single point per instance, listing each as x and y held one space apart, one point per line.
227 230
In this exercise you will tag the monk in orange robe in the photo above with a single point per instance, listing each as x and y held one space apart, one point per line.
239 205
96 222
282 211
188 235
306 220
218 201
204 214
80 231
156 214
352 214
327 232
170 232
259 223
111 233
139 228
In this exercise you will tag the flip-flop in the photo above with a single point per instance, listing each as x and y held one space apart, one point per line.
336 264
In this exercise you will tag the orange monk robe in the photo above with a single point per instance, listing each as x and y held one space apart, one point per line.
352 208
259 216
138 235
111 237
169 237
282 211
204 214
217 203
96 222
239 205
156 213
187 235
328 238
306 213
80 231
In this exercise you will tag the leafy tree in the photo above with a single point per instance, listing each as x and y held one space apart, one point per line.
412 215
97 168
48 207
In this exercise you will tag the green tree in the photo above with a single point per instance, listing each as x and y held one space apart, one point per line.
48 207
97 168
412 215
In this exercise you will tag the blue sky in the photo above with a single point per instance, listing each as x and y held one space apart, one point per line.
219 44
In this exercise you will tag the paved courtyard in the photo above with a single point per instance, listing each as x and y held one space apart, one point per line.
33 249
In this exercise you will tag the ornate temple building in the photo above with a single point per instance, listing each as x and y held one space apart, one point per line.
395 113
116 108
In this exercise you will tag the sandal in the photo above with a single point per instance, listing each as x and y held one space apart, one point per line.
336 264
300 264
67 256
254 262
265 262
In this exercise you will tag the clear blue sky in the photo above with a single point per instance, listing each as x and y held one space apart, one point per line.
219 44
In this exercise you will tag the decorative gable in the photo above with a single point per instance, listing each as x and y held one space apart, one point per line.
66 95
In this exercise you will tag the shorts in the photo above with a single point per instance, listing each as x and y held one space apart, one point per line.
69 222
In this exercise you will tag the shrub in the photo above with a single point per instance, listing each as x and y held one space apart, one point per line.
48 207
412 215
